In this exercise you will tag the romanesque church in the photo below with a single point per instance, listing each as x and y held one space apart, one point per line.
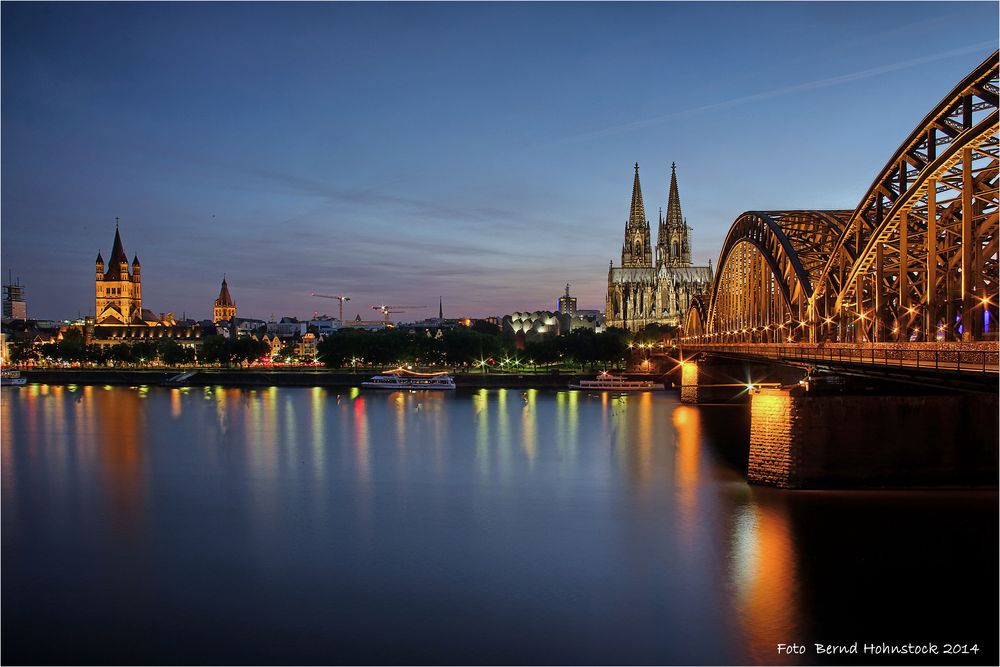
641 292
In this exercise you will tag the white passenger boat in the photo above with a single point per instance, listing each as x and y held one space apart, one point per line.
12 379
401 378
608 382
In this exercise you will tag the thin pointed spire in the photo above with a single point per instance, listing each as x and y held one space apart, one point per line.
637 251
637 214
440 308
674 216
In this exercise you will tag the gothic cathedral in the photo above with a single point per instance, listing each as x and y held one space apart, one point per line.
641 292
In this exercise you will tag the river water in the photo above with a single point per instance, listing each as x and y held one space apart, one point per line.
298 525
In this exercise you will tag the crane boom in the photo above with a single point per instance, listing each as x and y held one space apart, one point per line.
386 310
339 297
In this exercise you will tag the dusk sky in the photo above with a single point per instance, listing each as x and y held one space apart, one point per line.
398 152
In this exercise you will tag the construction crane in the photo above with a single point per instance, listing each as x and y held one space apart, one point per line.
339 297
387 310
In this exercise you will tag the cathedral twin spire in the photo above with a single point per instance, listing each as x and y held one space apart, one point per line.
672 244
637 214
673 247
637 250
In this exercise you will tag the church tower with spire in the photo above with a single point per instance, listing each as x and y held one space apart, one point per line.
118 293
225 308
637 251
673 247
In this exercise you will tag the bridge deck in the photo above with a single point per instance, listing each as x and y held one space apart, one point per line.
979 360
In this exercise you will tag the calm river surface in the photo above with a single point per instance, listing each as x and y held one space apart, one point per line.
292 525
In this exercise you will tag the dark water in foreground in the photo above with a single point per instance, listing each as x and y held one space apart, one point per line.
316 526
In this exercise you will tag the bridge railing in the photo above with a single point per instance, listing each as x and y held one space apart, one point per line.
983 359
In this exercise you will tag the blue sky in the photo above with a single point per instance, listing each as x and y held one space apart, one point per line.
398 152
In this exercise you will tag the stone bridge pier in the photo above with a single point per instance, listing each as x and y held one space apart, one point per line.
722 380
838 431
803 439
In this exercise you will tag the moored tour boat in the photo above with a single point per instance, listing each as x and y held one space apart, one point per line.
401 378
12 379
608 382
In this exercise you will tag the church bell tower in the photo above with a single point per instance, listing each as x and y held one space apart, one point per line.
118 293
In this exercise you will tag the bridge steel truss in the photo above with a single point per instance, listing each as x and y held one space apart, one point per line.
916 260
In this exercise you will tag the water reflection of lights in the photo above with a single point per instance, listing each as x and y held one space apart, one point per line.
687 426
764 574
645 433
318 415
567 423
399 401
362 442
529 427
503 446
744 550
175 403
573 421
482 408
122 456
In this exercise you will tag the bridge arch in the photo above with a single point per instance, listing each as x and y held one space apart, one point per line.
916 260
696 320
767 267
918 257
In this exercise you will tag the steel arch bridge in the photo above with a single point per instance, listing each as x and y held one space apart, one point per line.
915 261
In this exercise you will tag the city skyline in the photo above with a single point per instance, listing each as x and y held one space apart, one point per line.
433 162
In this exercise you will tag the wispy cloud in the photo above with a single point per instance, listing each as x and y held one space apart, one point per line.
781 92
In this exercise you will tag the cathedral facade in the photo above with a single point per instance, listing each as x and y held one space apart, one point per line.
642 291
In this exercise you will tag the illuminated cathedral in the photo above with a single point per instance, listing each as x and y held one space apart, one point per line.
643 292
